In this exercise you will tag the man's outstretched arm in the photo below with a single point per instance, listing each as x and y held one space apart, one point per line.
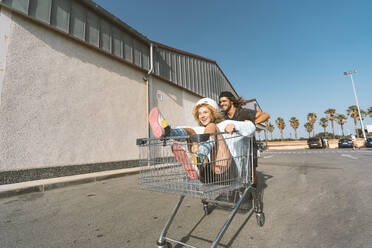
261 117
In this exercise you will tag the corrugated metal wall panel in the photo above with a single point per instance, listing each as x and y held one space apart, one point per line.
173 67
128 47
215 90
145 56
199 80
183 69
77 18
105 37
211 82
156 61
21 5
196 77
219 80
189 74
163 66
117 43
168 63
168 60
206 79
202 82
179 72
215 83
92 34
41 9
224 88
60 17
137 54
210 91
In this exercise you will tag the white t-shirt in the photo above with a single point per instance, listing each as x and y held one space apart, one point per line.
237 142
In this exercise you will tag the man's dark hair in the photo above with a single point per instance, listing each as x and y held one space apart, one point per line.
227 94
238 102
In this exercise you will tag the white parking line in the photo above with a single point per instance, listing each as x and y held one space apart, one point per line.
348 156
317 152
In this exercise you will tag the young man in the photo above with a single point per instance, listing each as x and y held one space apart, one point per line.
232 108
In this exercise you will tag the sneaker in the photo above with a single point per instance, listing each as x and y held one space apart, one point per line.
181 156
202 163
199 159
158 125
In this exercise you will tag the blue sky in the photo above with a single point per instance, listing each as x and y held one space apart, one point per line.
288 54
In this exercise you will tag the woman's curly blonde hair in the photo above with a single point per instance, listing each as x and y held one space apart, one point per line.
217 117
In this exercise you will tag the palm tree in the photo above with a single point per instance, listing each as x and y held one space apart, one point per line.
270 128
370 111
352 111
281 125
341 120
311 118
324 123
330 114
309 127
294 124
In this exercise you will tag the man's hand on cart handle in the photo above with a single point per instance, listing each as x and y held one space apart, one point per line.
230 128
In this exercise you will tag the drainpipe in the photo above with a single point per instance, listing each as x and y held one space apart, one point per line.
148 80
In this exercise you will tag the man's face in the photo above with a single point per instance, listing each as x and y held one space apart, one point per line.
225 104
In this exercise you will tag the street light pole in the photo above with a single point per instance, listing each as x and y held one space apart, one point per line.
356 99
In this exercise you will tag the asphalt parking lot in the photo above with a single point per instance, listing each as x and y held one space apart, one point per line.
312 198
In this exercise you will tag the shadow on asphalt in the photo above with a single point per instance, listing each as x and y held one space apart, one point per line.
189 235
247 203
229 244
246 206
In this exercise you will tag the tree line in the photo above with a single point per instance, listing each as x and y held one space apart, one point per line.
330 116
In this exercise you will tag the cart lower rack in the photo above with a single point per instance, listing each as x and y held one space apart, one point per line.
171 165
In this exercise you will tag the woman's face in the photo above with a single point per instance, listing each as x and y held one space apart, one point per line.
205 115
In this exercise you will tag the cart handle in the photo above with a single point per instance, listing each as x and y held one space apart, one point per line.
203 137
194 138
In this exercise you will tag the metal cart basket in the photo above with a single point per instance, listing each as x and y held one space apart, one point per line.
168 165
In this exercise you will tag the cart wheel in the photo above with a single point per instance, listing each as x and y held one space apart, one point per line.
206 209
260 217
165 245
246 204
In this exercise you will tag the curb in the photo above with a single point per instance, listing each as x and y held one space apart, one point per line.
43 185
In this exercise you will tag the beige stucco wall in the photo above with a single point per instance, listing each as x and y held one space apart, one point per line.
174 103
64 103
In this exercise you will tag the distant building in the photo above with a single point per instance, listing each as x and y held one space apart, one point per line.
369 129
76 84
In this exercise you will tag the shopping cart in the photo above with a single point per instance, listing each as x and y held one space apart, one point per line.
167 165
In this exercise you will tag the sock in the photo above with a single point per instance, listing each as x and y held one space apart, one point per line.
205 148
177 132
